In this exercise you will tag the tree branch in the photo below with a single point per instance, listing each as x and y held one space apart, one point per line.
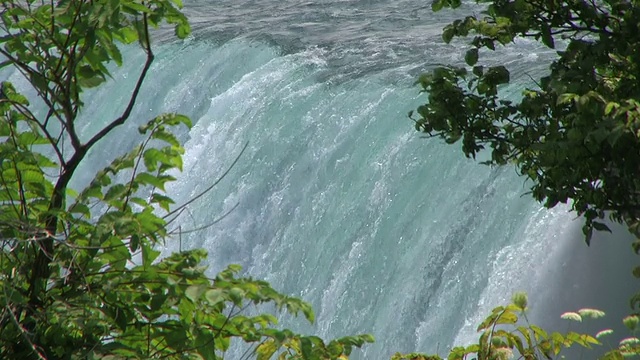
41 269
127 112
29 115
179 208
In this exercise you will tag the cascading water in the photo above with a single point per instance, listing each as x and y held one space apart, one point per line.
336 199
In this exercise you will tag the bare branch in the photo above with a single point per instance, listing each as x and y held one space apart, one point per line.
31 117
127 112
235 161
23 332
217 220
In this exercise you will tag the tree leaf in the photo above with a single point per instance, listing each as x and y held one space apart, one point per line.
437 5
471 57
193 292
448 33
265 350
547 38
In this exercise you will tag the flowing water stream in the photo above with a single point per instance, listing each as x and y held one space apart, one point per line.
337 199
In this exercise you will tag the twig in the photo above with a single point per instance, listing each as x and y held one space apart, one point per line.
235 161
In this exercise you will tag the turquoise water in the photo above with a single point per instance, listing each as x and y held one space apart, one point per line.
336 198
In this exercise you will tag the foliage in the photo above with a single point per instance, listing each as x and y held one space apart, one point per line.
507 333
575 133
80 277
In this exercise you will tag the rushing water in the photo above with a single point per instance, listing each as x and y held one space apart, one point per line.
337 199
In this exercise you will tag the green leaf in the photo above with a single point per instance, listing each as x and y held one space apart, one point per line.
507 318
368 338
448 33
32 138
631 322
611 107
148 254
214 296
538 332
80 208
88 77
635 301
265 350
588 232
117 191
437 5
167 137
455 3
193 292
497 75
135 8
547 38
566 98
600 226
306 347
520 300
635 245
307 310
149 179
183 120
134 243
236 295
126 35
235 268
471 57
163 201
183 30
